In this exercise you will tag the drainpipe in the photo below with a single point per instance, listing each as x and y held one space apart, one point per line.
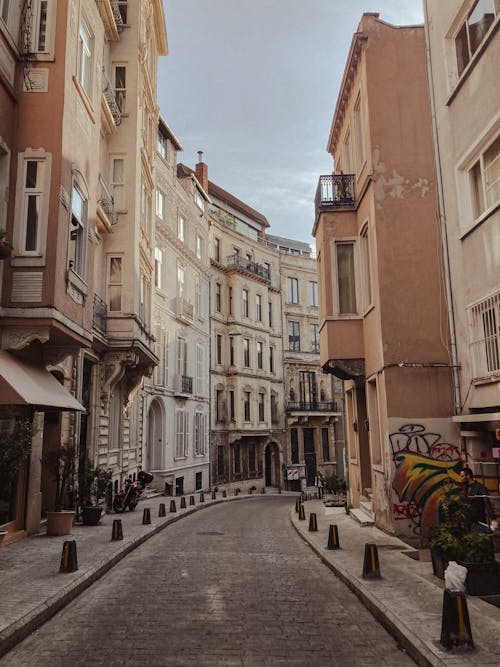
442 223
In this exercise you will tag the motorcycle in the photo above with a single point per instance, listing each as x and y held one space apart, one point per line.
132 490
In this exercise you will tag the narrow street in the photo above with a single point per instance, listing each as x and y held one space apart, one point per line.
232 585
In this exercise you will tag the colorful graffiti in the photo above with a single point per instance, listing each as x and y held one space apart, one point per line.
425 469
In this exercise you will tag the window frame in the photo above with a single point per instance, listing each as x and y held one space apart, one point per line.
85 74
292 290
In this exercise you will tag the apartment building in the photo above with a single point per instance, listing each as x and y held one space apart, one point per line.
177 425
464 52
383 323
313 416
79 86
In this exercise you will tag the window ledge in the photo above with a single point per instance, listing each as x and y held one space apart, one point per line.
495 377
77 282
28 260
479 221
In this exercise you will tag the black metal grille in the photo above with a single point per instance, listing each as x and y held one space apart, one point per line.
100 314
249 266
335 190
308 406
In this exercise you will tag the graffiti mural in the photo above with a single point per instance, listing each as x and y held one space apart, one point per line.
426 467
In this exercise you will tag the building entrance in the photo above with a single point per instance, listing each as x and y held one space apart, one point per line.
309 455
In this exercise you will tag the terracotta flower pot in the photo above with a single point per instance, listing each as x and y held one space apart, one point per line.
59 523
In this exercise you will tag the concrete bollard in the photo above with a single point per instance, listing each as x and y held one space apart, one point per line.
191 500
455 625
146 516
183 503
214 495
333 538
371 567
69 560
302 513
117 532
162 510
173 506
313 523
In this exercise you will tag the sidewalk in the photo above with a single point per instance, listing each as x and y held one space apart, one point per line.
408 598
33 589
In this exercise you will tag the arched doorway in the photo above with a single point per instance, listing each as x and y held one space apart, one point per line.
155 455
272 462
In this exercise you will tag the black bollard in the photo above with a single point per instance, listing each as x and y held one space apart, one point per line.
455 626
371 567
202 497
173 506
69 560
224 494
250 491
298 503
236 492
117 532
183 503
263 489
191 500
333 538
302 513
146 516
313 523
161 510
214 495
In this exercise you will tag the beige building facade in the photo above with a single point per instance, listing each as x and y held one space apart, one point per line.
383 315
464 56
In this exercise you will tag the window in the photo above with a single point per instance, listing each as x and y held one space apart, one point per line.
160 204
230 300
325 441
199 436
232 415
77 232
180 282
180 228
4 184
345 278
270 313
144 297
261 407
34 189
181 356
41 37
220 461
484 328
219 406
231 351
200 367
252 467
246 406
271 359
347 154
245 303
199 481
218 351
314 338
258 308
217 250
237 458
118 183
485 179
161 145
199 245
159 280
181 434
373 421
293 337
366 266
120 87
359 134
294 445
85 58
246 352
4 10
260 346
115 284
218 297
293 290
473 30
274 409
199 200
313 293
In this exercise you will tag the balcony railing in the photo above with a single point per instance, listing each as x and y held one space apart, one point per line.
109 96
106 201
239 262
100 314
111 17
335 190
311 406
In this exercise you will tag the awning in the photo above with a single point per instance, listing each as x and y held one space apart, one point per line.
477 417
23 383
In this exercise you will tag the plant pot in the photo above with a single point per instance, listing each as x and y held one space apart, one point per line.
482 578
59 523
439 564
91 515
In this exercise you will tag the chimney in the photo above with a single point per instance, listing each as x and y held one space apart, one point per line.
201 172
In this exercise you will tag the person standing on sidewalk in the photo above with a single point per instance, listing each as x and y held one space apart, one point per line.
475 495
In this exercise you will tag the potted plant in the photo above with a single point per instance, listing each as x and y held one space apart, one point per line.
483 573
5 247
446 539
95 482
61 465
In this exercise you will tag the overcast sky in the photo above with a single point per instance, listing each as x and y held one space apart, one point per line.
253 84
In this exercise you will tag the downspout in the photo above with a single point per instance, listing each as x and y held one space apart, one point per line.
442 223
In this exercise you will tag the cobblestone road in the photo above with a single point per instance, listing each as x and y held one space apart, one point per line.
232 585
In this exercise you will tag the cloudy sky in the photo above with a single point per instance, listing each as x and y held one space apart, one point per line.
253 83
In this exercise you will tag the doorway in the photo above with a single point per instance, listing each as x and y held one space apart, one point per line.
309 455
272 459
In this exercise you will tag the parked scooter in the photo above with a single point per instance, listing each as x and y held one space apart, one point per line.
130 494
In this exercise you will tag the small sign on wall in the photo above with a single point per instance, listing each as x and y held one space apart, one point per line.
496 452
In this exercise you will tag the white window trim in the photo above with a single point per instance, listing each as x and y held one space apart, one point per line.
36 257
49 52
366 272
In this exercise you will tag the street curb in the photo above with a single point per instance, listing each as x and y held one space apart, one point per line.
405 637
19 630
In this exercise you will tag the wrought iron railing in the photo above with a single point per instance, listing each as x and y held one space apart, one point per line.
335 190
311 406
109 96
100 314
187 384
106 201
247 265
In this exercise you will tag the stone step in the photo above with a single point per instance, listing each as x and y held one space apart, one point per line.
361 517
366 506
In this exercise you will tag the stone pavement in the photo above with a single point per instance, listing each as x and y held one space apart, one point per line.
408 598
